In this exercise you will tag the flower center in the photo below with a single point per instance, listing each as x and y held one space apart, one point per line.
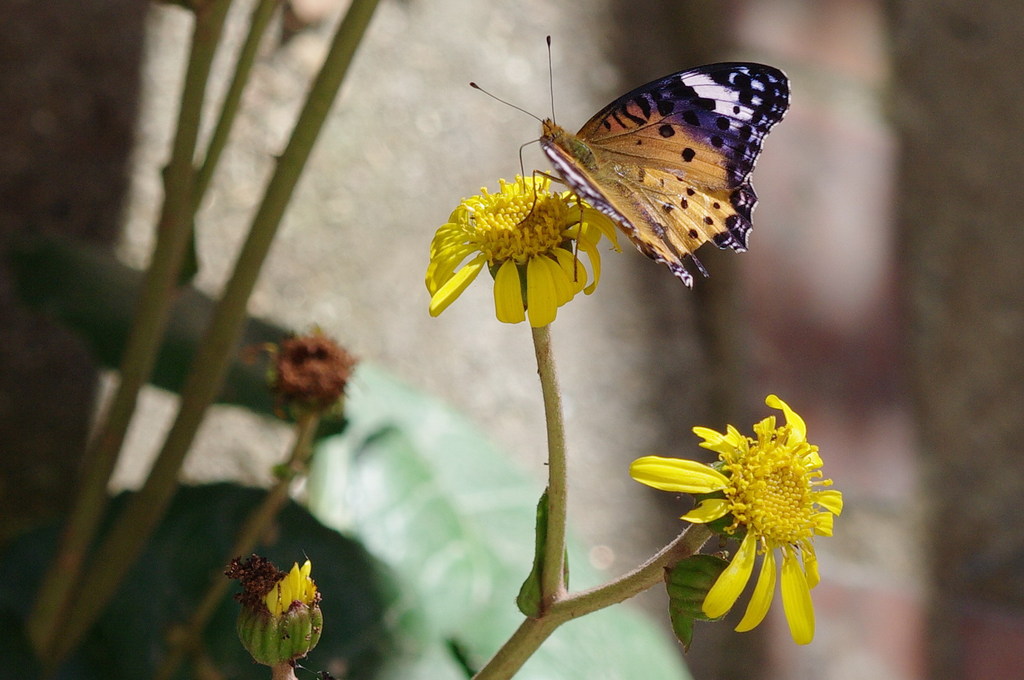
518 227
770 491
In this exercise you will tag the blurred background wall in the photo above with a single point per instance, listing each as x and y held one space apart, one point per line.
882 294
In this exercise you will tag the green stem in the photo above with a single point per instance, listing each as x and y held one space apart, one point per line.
127 537
552 580
152 312
527 639
648 574
261 16
282 671
532 632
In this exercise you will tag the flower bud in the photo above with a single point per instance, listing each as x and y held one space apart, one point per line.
280 619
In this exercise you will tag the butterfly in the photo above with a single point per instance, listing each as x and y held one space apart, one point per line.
670 162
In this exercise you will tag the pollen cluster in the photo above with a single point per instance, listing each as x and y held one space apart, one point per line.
517 225
770 487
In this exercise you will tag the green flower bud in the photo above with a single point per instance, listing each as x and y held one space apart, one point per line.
280 619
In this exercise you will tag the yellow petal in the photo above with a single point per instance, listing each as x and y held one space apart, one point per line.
603 223
454 286
594 255
761 599
792 419
718 442
830 499
677 474
796 599
731 582
508 294
823 523
708 510
811 567
573 268
562 276
541 296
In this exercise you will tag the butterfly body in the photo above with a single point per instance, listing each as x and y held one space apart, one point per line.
670 161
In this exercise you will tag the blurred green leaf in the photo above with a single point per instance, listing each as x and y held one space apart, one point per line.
188 550
446 510
87 289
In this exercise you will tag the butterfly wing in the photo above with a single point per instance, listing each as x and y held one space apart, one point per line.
671 160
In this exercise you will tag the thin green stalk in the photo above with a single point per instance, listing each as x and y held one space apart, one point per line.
261 16
532 632
552 581
282 671
152 313
527 639
187 637
632 583
145 509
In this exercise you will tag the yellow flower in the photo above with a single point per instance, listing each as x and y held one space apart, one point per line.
772 487
525 235
296 586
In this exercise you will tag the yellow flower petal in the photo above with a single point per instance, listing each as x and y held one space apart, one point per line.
731 582
718 442
811 567
796 599
454 286
594 255
541 296
574 270
562 276
792 419
604 223
823 524
677 474
708 510
508 294
761 599
830 499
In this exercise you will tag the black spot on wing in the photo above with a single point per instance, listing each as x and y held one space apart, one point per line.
644 104
743 199
738 226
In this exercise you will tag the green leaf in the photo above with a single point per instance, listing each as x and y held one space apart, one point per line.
87 289
528 599
688 583
445 509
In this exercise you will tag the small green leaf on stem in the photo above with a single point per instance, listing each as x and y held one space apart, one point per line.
688 583
529 598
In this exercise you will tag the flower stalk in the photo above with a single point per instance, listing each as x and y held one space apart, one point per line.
187 636
552 566
119 549
532 632
173 233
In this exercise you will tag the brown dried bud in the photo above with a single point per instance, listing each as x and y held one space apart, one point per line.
311 372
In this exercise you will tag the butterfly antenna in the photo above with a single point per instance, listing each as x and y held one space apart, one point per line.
506 103
551 80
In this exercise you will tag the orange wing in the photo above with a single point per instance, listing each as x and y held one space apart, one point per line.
671 161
